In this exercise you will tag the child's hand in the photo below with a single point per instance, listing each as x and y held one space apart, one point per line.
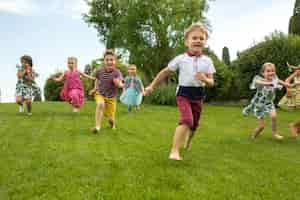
92 92
148 90
201 76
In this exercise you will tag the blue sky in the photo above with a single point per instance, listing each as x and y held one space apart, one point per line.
52 30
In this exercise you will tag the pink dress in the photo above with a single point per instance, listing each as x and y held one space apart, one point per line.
72 91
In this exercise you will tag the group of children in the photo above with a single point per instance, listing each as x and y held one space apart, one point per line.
196 72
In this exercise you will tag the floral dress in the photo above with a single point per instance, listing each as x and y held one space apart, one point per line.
292 100
25 87
262 102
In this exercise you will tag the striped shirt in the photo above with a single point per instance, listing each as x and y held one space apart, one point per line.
106 86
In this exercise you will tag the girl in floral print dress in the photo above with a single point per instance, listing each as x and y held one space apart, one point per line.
262 102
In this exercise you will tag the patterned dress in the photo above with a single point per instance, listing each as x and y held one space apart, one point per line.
132 95
25 87
292 101
262 102
72 91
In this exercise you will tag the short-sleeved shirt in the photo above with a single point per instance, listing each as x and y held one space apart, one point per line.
188 66
106 86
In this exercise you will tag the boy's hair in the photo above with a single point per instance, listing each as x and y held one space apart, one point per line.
109 52
263 67
194 26
27 59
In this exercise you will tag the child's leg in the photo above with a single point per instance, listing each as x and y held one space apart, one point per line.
258 129
98 114
19 100
273 116
29 105
110 111
76 99
186 122
129 108
196 106
295 128
179 136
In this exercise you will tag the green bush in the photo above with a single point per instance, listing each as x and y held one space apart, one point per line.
277 48
52 89
164 94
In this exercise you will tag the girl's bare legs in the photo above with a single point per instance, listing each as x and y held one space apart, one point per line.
260 127
273 117
29 106
19 100
178 139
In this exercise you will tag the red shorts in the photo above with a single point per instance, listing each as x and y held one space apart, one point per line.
190 111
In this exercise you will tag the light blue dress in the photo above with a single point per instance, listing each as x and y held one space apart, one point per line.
132 96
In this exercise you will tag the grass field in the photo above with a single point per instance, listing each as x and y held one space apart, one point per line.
52 155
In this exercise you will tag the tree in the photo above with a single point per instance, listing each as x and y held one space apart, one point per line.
226 56
151 31
294 25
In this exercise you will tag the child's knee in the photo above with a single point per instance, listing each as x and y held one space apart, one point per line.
100 105
187 121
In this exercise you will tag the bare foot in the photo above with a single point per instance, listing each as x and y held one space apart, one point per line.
294 130
253 136
75 110
95 130
174 156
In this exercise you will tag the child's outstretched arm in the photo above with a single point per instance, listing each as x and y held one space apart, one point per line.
118 82
285 84
58 79
92 91
87 76
208 79
265 83
164 73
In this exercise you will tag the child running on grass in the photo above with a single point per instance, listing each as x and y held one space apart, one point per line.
262 102
133 89
108 80
26 86
195 72
72 90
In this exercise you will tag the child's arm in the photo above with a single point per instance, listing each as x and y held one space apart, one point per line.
206 78
291 77
92 91
264 83
87 76
118 82
29 73
285 84
58 79
164 73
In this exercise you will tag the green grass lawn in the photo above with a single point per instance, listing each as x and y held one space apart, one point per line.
52 155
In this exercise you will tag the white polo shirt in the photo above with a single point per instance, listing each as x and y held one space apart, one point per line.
188 67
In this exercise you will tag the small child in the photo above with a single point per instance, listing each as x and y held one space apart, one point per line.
72 91
108 80
262 102
133 89
26 87
291 100
295 128
195 71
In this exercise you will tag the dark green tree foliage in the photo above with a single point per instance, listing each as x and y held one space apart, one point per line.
226 56
277 48
294 25
52 89
151 31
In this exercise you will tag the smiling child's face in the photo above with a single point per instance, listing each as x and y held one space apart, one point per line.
196 41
